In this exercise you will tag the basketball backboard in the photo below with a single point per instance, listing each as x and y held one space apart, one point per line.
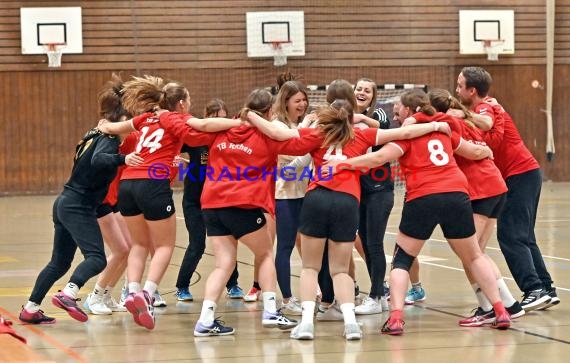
478 26
264 29
55 25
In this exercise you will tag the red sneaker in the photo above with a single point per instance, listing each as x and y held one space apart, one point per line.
393 327
502 321
69 304
252 295
35 318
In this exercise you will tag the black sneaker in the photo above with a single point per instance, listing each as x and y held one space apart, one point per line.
515 310
535 299
554 300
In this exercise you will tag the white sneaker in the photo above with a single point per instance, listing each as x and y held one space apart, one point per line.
332 313
293 307
303 331
352 332
159 302
97 306
384 303
110 302
369 306
124 294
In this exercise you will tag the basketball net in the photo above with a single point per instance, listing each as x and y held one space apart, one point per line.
492 47
279 56
53 52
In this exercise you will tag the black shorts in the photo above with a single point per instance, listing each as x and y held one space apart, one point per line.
152 198
104 209
489 207
452 211
329 214
233 221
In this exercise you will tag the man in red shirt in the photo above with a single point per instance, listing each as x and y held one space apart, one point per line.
521 171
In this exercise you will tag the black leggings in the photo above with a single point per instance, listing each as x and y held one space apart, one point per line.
375 210
75 224
194 221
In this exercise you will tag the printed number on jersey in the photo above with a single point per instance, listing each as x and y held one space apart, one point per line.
334 152
152 141
437 154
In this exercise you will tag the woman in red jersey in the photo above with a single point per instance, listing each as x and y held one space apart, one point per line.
437 193
330 209
145 196
487 191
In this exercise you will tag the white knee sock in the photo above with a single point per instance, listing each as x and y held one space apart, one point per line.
484 303
269 303
308 311
505 293
71 290
348 313
208 311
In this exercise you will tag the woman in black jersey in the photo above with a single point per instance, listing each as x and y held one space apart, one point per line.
74 214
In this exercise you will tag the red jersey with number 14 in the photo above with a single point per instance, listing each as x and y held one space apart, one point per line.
428 163
346 181
156 146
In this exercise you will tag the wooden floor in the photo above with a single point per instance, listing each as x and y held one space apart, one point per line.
432 333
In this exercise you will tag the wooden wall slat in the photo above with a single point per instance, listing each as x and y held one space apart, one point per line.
202 43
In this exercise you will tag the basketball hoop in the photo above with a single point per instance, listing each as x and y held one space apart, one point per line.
53 52
492 48
279 56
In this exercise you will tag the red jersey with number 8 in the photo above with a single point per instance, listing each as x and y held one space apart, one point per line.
157 147
428 163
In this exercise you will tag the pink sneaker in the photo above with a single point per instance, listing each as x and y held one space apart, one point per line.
69 304
144 304
35 318
130 306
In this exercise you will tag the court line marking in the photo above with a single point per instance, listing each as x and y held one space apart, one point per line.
54 342
511 328
492 248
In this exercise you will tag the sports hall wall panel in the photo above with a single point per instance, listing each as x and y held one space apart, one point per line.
44 111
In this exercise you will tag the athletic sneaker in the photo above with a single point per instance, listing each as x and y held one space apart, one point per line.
293 307
503 321
369 306
480 317
131 308
35 318
69 304
235 292
332 313
183 294
144 306
393 327
386 290
415 295
112 304
352 332
303 331
124 294
159 302
277 320
554 300
384 303
95 305
516 310
217 328
252 295
535 299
